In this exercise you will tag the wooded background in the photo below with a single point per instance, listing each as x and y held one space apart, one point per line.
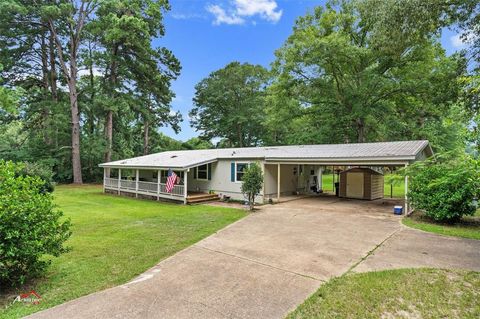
81 82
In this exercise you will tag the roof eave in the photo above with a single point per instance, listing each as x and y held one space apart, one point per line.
343 159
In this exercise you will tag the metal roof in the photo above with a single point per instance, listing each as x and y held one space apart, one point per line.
376 152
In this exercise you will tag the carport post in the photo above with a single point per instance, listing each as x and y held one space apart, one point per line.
406 191
278 182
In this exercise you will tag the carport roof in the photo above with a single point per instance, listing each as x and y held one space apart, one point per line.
381 153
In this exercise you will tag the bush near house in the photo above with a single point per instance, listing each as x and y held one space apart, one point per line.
30 226
252 182
445 188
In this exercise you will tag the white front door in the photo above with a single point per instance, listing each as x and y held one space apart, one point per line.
355 185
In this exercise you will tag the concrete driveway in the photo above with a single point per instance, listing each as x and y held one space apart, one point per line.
266 264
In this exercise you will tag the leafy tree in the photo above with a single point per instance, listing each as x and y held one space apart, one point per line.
31 227
339 80
229 104
133 67
72 17
196 143
95 58
252 182
444 188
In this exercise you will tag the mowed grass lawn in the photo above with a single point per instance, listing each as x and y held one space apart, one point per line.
404 293
115 239
467 227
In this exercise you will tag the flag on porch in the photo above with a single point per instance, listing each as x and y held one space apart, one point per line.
171 180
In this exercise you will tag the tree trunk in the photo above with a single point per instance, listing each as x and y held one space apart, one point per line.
71 76
109 135
45 77
239 136
109 118
53 69
146 128
361 130
76 162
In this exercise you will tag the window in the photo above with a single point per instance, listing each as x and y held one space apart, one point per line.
202 172
240 170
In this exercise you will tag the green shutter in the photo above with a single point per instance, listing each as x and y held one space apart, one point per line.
194 173
209 171
232 172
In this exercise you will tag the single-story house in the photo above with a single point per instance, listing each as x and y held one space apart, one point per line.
288 170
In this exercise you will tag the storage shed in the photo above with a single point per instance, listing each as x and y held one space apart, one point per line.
361 183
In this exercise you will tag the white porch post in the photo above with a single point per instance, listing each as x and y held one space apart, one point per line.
136 183
406 192
158 184
278 182
185 186
104 178
119 179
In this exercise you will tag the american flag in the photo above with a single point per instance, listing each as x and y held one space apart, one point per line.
171 180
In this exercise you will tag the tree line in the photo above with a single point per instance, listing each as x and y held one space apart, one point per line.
87 81
354 72
82 82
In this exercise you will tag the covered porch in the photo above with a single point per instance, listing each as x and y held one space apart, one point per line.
150 183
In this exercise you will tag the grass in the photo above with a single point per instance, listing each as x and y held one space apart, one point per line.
398 190
404 293
115 239
468 227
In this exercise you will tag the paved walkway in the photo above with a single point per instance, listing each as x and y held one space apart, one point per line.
266 264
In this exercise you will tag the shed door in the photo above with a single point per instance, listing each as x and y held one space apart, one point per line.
355 185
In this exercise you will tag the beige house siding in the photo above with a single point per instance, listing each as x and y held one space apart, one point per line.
220 181
288 180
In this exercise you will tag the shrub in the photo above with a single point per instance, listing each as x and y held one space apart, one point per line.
444 188
252 182
41 170
30 227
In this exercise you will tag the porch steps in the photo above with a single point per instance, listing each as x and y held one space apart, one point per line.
198 198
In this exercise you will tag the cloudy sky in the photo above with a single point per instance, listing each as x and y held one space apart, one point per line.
207 35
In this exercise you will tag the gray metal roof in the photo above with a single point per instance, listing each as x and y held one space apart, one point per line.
384 152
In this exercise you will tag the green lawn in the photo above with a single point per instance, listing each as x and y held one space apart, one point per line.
468 227
404 293
398 190
115 239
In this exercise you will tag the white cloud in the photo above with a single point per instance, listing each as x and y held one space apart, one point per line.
186 16
223 17
266 9
242 9
459 42
96 72
456 41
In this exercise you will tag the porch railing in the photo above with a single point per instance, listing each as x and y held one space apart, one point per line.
149 188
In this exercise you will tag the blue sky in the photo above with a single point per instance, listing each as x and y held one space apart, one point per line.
207 35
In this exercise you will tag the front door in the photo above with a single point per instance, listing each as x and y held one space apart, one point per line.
355 185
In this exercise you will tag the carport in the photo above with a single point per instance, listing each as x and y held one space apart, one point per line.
292 172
